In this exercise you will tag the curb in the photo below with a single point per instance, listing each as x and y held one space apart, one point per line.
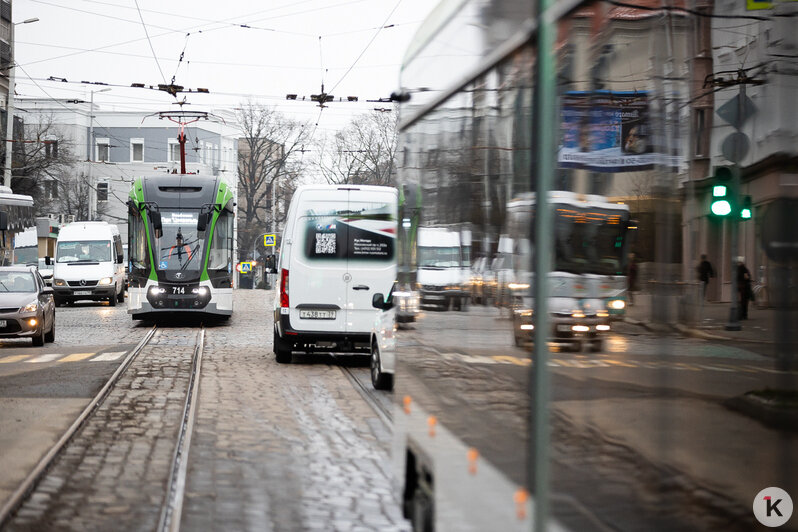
697 333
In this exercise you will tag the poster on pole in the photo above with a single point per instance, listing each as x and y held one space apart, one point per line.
606 131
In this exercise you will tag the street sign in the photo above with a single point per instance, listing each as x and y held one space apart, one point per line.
269 240
731 113
735 146
244 267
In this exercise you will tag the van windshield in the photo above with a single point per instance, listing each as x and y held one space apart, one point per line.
359 231
84 251
435 257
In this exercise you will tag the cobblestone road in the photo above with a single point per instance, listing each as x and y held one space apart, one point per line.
275 447
282 447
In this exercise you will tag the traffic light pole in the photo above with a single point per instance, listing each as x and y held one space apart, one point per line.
734 220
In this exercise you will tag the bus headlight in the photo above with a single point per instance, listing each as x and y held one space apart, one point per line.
105 281
617 304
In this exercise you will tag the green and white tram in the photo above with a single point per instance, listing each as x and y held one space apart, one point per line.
180 243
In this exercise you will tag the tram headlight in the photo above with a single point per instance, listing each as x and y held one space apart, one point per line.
617 304
202 291
105 280
157 291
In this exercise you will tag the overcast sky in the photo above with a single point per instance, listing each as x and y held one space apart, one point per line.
289 47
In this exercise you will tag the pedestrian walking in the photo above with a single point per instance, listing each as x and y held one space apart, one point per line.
705 273
744 291
631 278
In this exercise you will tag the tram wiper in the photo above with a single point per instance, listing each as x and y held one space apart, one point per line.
190 257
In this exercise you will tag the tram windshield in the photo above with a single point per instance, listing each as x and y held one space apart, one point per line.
180 246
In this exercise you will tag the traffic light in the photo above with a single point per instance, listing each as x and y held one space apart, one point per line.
746 212
722 197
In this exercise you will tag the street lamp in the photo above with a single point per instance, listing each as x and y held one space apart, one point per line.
92 190
10 105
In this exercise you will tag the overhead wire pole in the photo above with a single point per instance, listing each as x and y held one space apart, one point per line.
543 171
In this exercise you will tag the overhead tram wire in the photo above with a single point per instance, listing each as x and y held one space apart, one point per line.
147 33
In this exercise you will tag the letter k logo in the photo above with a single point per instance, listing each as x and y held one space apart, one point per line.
772 507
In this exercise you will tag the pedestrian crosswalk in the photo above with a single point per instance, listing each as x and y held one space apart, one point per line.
63 357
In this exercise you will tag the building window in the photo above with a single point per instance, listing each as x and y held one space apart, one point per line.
136 150
103 150
51 149
102 191
51 189
700 132
174 151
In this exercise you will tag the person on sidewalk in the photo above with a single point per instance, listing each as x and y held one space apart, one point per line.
705 273
631 278
743 288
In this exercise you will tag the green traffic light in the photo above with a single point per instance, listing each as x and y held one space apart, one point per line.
719 191
745 214
720 208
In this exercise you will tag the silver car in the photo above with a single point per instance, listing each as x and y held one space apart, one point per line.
27 309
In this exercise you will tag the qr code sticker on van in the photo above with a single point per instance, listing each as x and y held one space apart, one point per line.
325 243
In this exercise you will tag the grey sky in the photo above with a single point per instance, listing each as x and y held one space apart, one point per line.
279 53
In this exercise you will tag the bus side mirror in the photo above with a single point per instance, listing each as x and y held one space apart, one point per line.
203 220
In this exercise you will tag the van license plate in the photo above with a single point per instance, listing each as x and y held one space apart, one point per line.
317 314
82 292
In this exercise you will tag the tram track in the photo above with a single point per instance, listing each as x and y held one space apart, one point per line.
171 507
368 394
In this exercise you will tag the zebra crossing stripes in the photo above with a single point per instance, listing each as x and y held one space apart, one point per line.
63 357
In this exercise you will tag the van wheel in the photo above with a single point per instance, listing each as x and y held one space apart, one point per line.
121 296
281 353
380 380
49 337
112 300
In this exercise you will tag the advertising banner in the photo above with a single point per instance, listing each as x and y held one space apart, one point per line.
606 131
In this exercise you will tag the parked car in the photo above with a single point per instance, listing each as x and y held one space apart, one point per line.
339 248
27 309
383 341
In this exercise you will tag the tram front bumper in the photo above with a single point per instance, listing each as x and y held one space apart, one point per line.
178 297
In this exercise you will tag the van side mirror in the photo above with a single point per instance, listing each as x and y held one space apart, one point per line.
3 221
48 261
378 302
203 220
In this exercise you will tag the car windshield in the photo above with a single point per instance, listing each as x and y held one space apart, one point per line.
17 282
84 251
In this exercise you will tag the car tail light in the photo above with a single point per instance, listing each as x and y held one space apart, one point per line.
284 289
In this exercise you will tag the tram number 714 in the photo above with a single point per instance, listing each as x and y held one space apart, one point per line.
178 289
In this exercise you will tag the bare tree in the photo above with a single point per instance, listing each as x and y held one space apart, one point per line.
266 169
361 153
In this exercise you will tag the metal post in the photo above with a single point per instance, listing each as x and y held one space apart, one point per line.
734 310
92 195
545 104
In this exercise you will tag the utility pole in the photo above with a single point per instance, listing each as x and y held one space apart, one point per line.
10 108
92 190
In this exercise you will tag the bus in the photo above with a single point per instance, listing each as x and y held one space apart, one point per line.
585 106
16 216
180 246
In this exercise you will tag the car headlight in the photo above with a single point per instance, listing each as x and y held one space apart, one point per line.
106 280
59 282
33 306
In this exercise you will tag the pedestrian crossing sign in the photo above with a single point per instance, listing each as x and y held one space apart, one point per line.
269 240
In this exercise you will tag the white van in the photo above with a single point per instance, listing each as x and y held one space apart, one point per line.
89 263
338 250
442 273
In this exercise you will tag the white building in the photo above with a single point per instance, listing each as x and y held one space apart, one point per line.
115 147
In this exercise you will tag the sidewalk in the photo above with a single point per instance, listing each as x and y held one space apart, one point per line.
707 321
